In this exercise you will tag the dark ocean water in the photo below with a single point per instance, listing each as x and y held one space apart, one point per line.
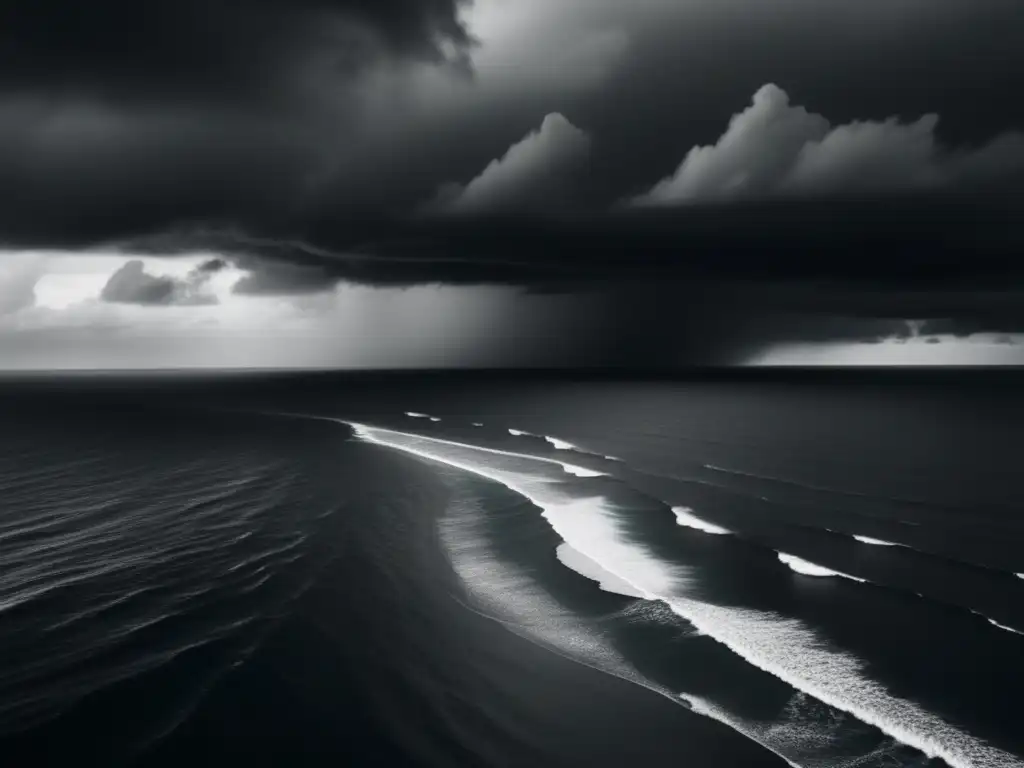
511 572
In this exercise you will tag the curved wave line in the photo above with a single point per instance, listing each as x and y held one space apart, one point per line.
833 678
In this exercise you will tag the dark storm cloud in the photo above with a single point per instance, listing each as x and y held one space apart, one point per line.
226 49
897 238
708 283
185 126
903 240
988 302
269 278
725 322
132 284
73 174
120 118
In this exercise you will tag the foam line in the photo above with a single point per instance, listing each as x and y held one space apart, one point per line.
560 445
807 568
565 513
876 542
709 709
780 646
571 469
617 667
415 415
686 518
995 623
581 471
793 653
576 561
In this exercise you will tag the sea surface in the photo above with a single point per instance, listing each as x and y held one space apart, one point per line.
512 570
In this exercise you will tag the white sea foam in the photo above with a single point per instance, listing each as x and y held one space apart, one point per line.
793 653
805 734
415 415
477 424
1019 575
510 596
995 623
876 542
561 445
782 647
584 566
558 443
686 518
588 524
433 418
710 709
572 469
807 568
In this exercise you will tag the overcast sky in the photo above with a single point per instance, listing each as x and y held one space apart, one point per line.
406 183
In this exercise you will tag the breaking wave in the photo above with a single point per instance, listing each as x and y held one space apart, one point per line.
807 568
876 542
782 647
686 518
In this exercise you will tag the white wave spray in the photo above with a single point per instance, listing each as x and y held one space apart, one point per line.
876 542
686 518
779 646
807 568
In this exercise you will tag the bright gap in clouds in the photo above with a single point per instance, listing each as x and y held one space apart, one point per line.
71 279
975 350
544 44
67 324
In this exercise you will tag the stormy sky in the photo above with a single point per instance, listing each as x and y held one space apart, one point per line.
405 183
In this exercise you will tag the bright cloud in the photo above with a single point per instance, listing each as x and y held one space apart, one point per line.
775 147
538 172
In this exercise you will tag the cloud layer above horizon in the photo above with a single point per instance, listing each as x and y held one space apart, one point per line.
713 150
777 148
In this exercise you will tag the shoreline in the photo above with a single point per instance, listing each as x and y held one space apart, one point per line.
410 675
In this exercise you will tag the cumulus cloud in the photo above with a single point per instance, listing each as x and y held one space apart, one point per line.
537 173
775 147
132 284
185 49
19 273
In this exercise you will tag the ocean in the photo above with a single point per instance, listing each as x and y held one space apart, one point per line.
512 570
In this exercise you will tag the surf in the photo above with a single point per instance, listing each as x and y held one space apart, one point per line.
686 518
779 646
807 568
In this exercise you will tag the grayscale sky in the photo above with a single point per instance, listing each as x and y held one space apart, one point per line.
423 183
